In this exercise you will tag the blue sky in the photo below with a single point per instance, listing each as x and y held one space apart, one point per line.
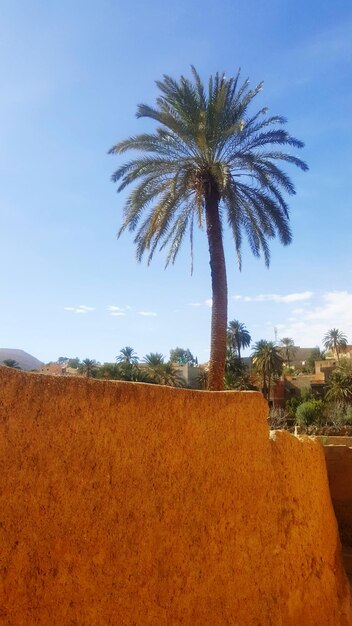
72 74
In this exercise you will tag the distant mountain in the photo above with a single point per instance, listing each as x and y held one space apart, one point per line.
25 361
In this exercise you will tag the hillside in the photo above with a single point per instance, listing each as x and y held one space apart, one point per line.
25 361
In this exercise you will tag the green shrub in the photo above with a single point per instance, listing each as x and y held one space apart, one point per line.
309 413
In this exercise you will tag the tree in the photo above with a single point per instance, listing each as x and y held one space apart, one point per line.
309 413
74 363
63 360
267 362
238 336
12 363
340 385
209 162
88 367
162 373
127 356
236 374
335 340
182 356
127 360
289 349
315 355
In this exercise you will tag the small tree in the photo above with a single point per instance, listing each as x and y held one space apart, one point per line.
74 363
309 413
12 363
62 360
315 355
182 356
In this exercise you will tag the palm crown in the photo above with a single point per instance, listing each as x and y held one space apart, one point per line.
238 336
335 340
208 162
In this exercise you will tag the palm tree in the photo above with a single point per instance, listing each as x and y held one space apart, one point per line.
127 360
238 337
267 361
162 373
12 363
88 367
340 385
289 348
209 162
127 356
335 340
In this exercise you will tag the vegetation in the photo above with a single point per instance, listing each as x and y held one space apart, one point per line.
236 374
88 367
210 162
11 363
309 412
289 349
128 360
336 341
340 385
74 363
267 362
238 337
162 373
315 355
182 356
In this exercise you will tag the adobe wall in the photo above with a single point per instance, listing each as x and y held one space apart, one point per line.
339 466
127 504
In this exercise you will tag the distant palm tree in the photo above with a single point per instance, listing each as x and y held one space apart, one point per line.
12 363
289 348
212 163
127 356
267 362
128 364
88 367
335 340
238 336
162 373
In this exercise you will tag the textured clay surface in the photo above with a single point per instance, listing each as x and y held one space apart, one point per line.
339 465
127 504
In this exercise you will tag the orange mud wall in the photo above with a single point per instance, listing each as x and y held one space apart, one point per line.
131 504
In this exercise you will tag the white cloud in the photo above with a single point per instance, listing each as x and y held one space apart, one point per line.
82 308
147 313
278 298
308 326
209 302
195 304
116 311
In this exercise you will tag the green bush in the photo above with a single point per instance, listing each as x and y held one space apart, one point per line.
309 413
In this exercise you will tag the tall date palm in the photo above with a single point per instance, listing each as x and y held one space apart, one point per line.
238 336
212 163
335 340
267 362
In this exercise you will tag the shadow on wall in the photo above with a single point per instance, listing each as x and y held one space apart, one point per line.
123 503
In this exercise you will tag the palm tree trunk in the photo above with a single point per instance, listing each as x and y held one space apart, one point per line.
219 293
